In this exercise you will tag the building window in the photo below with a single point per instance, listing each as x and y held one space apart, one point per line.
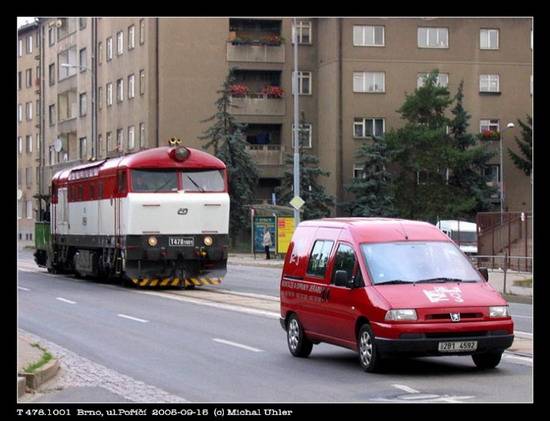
99 52
20 112
119 43
29 44
433 37
368 127
20 145
28 110
100 97
67 63
29 209
141 31
51 73
109 49
304 135
109 94
304 83
491 125
119 139
142 82
51 37
359 171
489 83
19 80
531 84
368 36
29 143
82 148
81 23
51 114
83 106
492 174
100 145
488 39
20 52
37 108
68 26
141 135
120 90
108 142
304 32
131 37
37 144
442 79
131 137
68 105
50 155
28 78
83 60
131 86
369 82
28 176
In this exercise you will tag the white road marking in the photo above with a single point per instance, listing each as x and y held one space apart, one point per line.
249 348
523 317
405 388
525 334
23 288
65 300
525 360
133 318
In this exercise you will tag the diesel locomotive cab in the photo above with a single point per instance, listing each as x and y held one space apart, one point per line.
174 205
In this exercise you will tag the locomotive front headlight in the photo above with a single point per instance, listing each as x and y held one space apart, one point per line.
152 241
208 240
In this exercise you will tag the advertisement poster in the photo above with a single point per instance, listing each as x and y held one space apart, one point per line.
261 223
285 229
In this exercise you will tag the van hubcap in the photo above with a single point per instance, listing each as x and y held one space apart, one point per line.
365 348
293 334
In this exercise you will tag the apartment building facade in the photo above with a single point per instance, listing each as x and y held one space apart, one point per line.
159 77
28 129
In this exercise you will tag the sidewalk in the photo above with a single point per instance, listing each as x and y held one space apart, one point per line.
496 279
29 353
247 259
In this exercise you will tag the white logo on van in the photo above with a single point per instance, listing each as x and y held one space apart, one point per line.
444 294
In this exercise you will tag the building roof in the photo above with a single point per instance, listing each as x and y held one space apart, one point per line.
27 27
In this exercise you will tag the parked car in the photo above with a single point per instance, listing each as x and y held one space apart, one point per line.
461 232
389 287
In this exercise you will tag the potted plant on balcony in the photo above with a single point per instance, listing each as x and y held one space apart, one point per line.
489 135
272 39
238 90
272 91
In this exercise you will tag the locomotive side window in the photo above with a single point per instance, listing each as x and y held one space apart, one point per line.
121 185
203 181
154 181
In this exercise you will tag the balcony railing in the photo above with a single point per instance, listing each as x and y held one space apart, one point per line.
270 159
261 53
257 104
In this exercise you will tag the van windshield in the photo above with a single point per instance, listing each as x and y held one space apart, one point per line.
413 261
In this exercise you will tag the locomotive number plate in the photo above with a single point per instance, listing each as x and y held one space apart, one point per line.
181 241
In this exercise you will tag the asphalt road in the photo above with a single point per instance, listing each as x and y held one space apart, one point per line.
207 354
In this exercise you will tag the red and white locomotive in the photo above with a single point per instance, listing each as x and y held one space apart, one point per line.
158 217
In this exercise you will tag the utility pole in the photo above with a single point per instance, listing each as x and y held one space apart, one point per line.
296 125
95 146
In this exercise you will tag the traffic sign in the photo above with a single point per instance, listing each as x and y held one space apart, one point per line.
297 202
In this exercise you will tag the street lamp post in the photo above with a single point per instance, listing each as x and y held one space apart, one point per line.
508 126
296 126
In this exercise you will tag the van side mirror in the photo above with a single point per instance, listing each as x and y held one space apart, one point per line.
485 273
341 278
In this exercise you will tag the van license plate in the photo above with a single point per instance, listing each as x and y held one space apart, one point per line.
181 241
464 346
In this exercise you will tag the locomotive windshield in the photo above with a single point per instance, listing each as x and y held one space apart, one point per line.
153 181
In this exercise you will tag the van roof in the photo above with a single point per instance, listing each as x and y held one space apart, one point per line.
381 229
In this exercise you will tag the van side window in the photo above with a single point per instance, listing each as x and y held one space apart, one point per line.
318 259
345 260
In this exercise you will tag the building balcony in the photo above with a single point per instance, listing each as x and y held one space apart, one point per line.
255 53
270 159
258 105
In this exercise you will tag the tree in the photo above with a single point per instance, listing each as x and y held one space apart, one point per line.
467 162
373 189
317 202
226 136
524 163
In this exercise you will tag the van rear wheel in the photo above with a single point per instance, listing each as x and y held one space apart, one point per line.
298 344
487 360
369 358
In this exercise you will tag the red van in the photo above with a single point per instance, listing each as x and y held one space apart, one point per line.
389 287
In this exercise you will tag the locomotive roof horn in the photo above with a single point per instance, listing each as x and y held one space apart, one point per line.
173 141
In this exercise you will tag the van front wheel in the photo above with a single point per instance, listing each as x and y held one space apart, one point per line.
298 344
368 354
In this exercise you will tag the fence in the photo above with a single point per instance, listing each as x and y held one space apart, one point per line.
507 264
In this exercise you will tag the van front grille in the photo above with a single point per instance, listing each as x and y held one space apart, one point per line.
447 316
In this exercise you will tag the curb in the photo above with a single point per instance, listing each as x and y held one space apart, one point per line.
42 375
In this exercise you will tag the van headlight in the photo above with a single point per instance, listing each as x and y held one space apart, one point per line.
401 314
152 241
208 240
499 311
